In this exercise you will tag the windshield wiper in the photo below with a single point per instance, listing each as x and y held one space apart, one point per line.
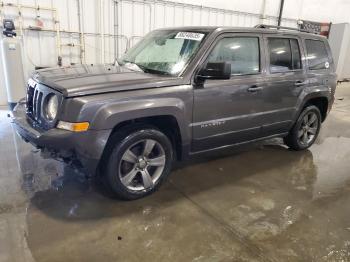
131 65
152 71
143 68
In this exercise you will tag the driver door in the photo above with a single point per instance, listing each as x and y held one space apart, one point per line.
231 111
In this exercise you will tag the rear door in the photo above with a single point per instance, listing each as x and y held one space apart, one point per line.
231 111
285 80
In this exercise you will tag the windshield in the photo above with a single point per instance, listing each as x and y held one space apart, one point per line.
163 52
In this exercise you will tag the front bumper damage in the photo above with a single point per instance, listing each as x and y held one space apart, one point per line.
82 149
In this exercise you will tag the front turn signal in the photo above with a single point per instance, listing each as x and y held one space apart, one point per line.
74 127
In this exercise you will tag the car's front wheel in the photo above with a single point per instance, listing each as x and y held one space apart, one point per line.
306 129
138 164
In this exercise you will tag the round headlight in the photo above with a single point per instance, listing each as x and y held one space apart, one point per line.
51 107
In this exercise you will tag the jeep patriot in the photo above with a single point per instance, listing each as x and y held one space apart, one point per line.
179 92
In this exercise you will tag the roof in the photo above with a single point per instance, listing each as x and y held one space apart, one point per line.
242 30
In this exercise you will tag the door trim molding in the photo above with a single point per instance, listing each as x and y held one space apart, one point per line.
238 144
219 120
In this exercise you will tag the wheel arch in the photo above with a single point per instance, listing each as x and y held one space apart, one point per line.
167 124
321 103
319 99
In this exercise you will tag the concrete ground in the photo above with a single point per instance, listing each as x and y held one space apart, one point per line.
259 203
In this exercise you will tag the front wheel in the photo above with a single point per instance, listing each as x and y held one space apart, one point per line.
138 164
306 129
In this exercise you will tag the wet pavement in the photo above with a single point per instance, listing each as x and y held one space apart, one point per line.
257 203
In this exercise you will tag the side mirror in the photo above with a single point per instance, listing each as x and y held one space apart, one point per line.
218 70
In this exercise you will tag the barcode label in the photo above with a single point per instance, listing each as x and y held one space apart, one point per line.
190 36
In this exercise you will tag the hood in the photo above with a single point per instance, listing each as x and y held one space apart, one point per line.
93 79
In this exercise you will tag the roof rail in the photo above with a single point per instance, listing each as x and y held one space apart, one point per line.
283 27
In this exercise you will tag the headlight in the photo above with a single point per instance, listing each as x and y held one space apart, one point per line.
51 107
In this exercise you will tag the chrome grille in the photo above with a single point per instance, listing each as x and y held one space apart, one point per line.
34 102
29 102
36 97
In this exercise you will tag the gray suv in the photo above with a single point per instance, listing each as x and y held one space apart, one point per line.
177 93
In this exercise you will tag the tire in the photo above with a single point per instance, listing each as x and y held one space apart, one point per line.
139 161
305 130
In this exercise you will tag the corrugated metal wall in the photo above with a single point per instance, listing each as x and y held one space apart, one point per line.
107 27
158 14
135 19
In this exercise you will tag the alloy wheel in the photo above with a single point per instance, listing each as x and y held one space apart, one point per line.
142 165
308 128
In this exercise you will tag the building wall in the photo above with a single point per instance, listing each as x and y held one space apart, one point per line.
336 11
136 18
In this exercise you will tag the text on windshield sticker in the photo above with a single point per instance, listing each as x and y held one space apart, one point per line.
190 36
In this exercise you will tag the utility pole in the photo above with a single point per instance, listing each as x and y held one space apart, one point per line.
280 13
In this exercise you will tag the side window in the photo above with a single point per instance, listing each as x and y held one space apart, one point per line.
284 55
317 56
241 52
296 58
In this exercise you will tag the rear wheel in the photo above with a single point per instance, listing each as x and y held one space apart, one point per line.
139 163
305 130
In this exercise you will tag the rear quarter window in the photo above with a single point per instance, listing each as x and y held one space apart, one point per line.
317 56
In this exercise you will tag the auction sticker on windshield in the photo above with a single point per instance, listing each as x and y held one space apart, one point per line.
190 36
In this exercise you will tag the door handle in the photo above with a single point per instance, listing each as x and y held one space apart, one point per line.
300 83
254 88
